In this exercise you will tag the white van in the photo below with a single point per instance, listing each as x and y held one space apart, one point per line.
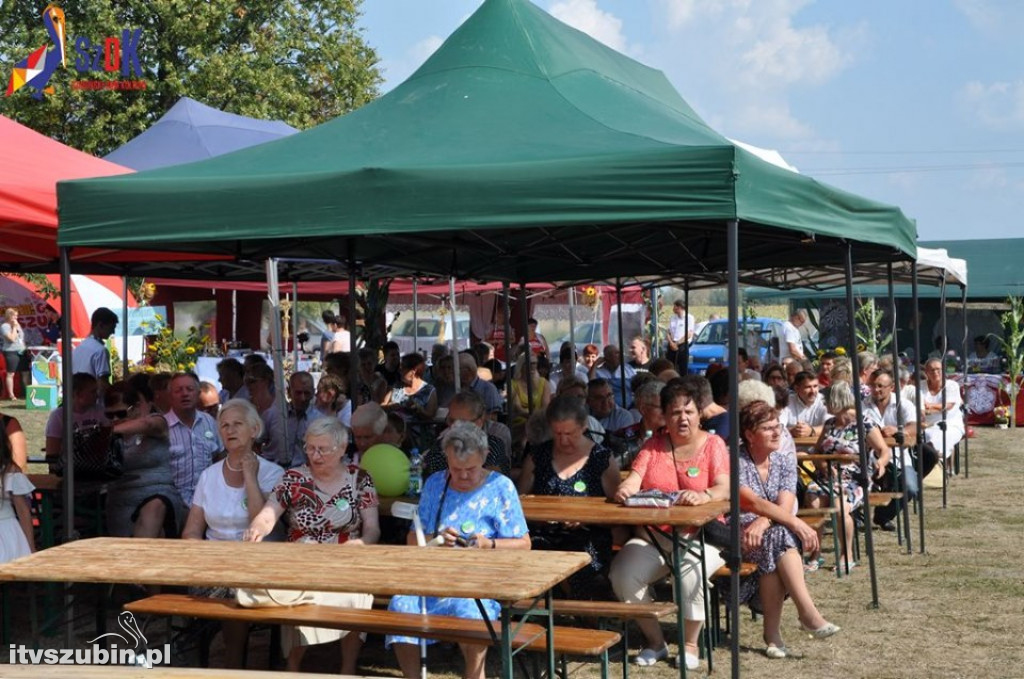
426 331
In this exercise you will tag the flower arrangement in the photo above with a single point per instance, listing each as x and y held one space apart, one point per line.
167 352
1002 415
590 296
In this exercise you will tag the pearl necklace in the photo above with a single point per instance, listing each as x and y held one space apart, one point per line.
227 463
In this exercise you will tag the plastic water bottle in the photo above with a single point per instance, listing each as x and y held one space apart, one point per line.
415 473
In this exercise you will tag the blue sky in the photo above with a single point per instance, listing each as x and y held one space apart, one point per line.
918 103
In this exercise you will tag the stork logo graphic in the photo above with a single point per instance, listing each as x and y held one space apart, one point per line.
37 68
111 54
126 621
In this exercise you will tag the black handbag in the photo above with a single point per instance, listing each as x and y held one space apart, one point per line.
717 534
96 453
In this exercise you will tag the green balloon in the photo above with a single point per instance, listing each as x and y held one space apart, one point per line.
389 468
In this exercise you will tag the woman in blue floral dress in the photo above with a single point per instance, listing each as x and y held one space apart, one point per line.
775 547
573 465
468 506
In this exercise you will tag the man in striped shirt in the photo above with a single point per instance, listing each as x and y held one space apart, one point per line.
194 438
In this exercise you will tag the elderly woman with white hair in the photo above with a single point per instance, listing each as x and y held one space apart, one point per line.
937 395
228 496
329 502
467 506
840 435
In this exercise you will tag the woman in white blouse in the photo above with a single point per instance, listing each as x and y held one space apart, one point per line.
228 496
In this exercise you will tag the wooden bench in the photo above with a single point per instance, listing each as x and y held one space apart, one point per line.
816 522
713 626
805 512
617 612
878 499
609 609
567 640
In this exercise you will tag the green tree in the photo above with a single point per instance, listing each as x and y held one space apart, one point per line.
301 61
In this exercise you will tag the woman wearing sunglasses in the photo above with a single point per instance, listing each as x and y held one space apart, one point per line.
143 502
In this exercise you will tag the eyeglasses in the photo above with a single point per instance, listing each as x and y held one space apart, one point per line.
771 429
883 385
317 450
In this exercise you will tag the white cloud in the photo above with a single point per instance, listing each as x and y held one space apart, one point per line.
904 181
994 17
422 50
586 16
988 178
785 55
752 55
761 119
679 12
998 105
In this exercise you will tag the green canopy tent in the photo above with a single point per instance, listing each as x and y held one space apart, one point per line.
522 150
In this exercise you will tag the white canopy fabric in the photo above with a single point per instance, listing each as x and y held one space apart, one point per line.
938 258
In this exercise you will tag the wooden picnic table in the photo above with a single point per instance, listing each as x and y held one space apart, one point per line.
507 576
807 442
504 575
600 511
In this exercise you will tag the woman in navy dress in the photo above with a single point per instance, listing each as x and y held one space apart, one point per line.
572 465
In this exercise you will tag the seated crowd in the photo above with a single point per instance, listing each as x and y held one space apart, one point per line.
228 469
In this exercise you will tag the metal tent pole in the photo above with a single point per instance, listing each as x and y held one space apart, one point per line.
455 336
734 556
917 398
685 345
942 366
865 479
295 326
276 350
572 321
507 342
415 315
622 349
124 327
900 424
967 382
524 318
68 426
353 354
655 349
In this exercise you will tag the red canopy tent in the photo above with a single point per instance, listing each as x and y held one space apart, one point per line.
31 164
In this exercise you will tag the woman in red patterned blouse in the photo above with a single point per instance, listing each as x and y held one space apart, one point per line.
327 501
683 458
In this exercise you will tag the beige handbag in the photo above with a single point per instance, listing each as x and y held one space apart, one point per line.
261 597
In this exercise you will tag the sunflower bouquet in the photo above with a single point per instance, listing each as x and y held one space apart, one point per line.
166 352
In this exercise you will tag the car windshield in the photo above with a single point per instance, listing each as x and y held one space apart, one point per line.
427 328
718 333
